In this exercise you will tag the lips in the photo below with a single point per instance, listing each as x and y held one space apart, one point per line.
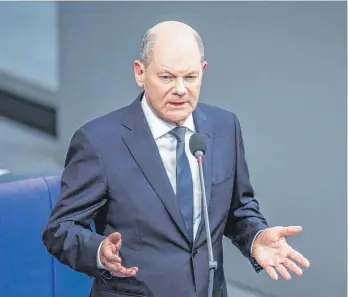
177 103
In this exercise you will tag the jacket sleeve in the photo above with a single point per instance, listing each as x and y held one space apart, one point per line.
245 220
68 235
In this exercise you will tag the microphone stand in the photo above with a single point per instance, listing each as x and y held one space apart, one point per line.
212 263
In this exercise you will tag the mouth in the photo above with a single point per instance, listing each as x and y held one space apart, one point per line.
177 104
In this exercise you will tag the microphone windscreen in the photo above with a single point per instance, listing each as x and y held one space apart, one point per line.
197 143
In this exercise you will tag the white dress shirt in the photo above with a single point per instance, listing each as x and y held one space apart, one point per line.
166 144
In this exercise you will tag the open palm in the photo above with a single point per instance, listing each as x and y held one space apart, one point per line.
274 254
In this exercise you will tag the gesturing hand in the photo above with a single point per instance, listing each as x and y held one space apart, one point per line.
274 254
110 256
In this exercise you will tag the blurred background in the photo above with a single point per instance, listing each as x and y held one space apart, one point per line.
280 66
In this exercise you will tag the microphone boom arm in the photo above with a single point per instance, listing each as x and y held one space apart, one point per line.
212 264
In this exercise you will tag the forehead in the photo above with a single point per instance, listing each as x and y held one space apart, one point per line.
177 56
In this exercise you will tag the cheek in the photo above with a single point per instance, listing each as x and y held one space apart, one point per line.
194 94
194 88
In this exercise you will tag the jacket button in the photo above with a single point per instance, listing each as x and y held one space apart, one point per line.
194 253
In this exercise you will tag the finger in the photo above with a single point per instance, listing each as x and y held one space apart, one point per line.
292 267
117 247
282 271
133 270
126 273
109 256
115 237
299 258
117 270
120 271
271 272
290 230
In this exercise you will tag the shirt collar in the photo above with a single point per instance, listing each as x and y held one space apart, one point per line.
158 126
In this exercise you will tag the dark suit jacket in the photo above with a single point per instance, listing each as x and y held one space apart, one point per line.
114 177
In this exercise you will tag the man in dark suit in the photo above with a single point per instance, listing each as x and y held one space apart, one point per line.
132 174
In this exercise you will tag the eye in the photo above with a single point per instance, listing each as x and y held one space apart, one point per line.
191 77
166 77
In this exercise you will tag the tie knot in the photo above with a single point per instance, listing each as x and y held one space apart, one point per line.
179 133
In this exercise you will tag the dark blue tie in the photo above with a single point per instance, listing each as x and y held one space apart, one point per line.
184 185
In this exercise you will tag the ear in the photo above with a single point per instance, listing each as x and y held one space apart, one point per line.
139 72
204 65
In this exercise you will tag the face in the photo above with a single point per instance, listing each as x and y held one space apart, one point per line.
172 80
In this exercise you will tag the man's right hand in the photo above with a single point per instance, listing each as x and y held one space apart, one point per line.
110 256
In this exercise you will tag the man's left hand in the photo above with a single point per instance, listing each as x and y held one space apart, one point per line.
273 253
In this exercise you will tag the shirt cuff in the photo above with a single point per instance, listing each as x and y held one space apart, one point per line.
99 263
252 245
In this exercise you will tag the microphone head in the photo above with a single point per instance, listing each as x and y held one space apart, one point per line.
197 144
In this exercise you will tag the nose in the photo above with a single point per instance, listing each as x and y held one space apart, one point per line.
180 88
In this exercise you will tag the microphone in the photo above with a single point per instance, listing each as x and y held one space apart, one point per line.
197 146
198 149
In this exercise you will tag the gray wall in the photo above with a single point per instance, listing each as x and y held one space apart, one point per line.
281 67
29 44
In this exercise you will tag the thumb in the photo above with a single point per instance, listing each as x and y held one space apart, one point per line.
290 230
115 237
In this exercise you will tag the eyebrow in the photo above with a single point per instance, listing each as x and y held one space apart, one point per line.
169 72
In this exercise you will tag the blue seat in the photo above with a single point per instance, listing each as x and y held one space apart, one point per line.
26 268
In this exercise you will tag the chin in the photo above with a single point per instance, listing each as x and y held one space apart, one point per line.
179 117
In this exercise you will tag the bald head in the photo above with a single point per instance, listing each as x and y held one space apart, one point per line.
171 34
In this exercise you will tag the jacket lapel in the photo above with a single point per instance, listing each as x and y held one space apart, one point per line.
203 125
143 148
